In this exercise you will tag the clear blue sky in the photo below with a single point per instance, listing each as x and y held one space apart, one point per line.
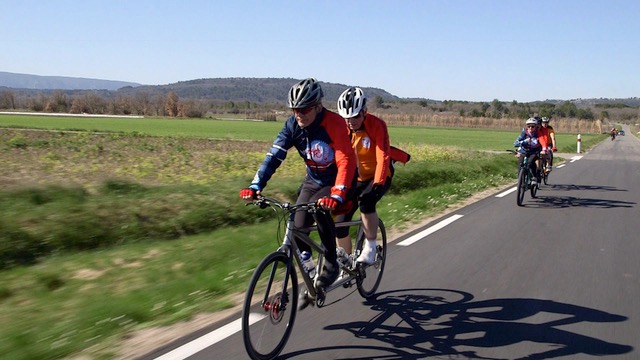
475 50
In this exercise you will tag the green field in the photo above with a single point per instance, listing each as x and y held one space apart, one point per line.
122 231
473 139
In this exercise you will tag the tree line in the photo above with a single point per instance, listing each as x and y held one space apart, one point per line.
170 104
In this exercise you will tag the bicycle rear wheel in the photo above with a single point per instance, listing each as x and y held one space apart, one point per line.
522 186
270 307
547 167
369 276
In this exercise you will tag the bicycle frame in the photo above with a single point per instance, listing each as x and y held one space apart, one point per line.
291 247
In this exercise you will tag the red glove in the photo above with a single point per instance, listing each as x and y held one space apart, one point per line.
328 203
554 149
248 193
343 208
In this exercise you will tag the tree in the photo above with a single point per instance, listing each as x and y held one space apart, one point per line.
57 103
378 101
171 104
567 109
89 103
7 100
497 105
485 107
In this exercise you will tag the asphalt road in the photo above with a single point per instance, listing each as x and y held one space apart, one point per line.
557 278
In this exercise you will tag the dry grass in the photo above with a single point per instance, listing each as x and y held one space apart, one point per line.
39 158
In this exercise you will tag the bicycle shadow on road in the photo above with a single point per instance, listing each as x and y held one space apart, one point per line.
571 201
571 187
553 201
437 322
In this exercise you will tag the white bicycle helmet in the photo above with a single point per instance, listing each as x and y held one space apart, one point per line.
305 93
532 121
351 102
545 119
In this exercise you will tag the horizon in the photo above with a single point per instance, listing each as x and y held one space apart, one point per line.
239 77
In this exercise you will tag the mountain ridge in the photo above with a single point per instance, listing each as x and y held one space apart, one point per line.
251 89
40 82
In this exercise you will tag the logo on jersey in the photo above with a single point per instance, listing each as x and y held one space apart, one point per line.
320 152
366 143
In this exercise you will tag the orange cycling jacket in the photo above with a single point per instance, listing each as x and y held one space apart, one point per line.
371 145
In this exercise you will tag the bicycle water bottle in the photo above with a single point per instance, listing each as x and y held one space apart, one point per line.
307 263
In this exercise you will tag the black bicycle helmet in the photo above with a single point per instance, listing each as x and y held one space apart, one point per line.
351 102
305 93
538 120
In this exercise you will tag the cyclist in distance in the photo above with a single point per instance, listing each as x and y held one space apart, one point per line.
322 140
528 143
551 141
370 141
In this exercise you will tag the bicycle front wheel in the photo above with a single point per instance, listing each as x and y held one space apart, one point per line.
522 186
270 307
534 184
369 276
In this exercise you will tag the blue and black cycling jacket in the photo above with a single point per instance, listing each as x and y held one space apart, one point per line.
525 147
325 147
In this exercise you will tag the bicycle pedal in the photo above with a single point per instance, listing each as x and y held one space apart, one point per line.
304 300
320 297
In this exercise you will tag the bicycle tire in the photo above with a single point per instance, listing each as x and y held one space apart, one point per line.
267 316
534 187
546 173
369 276
534 184
522 186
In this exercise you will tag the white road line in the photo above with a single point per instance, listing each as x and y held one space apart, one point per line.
575 158
561 166
505 193
207 340
424 233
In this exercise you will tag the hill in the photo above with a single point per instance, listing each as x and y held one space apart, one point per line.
37 82
259 90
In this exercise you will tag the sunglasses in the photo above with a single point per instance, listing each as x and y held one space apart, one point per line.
304 111
530 126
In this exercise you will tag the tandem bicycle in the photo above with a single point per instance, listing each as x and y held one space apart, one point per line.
271 300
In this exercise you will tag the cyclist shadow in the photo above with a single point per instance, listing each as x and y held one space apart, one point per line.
552 201
570 187
437 322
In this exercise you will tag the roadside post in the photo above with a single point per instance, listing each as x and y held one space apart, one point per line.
579 142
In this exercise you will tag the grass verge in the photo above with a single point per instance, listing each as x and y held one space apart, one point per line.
86 302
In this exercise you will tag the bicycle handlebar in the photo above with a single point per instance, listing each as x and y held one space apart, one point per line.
264 202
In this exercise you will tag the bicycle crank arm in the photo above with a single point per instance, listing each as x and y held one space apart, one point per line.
340 282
